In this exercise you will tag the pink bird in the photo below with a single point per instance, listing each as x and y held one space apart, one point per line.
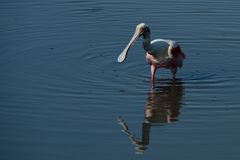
160 53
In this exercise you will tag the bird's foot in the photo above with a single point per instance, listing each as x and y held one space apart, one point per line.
152 84
174 80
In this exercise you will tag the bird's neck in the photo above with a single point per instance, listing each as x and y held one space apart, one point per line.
147 42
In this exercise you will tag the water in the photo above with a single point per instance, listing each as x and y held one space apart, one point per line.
64 96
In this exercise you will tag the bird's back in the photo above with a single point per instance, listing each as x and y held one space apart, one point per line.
159 48
160 54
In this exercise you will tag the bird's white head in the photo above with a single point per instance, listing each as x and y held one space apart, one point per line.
140 29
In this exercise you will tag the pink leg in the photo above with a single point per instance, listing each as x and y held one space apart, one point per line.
153 70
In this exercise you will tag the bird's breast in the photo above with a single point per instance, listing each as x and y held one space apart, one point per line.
159 61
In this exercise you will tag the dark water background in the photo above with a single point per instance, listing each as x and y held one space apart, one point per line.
64 96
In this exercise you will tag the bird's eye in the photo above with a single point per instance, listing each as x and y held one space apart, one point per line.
142 29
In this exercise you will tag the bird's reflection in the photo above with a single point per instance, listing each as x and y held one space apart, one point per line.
162 106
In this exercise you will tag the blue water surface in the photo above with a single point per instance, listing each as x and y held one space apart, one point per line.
64 96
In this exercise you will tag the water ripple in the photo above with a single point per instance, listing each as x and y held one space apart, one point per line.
60 80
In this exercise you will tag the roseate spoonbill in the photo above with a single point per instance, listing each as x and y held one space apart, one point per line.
160 53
